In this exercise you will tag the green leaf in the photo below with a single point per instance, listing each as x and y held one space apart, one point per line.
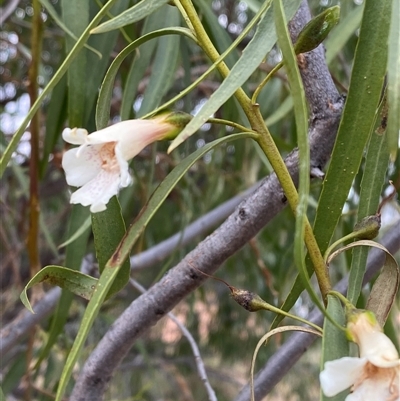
108 230
164 66
53 13
71 280
385 288
354 131
301 115
358 117
264 38
105 44
394 82
75 13
219 35
74 253
334 342
131 15
55 118
376 164
56 78
104 100
140 64
114 264
80 231
342 33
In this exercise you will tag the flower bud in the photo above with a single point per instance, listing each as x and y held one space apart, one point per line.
316 30
368 227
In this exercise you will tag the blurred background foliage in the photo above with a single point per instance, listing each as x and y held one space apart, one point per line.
153 74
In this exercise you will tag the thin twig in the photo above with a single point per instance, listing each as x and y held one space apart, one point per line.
196 352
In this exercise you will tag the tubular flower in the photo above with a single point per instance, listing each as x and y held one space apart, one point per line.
100 164
375 375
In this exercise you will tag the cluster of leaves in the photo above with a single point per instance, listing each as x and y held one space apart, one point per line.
138 64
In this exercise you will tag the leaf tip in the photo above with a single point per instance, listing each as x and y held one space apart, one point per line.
175 144
25 301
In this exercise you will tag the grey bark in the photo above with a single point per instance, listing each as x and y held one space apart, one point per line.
20 326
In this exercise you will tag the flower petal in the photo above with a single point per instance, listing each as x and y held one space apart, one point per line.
380 350
76 136
98 191
126 179
82 169
340 374
133 135
381 386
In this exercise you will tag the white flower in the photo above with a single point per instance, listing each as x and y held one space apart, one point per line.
375 375
100 164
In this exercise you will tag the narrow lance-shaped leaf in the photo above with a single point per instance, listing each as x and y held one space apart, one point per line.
301 115
75 13
140 63
104 100
56 78
164 66
358 117
264 38
106 44
71 280
385 288
74 253
53 13
112 267
376 164
394 81
355 127
108 229
131 15
334 341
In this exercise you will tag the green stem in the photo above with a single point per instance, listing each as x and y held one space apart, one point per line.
178 5
339 241
209 48
342 298
264 82
268 146
271 308
232 124
216 62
